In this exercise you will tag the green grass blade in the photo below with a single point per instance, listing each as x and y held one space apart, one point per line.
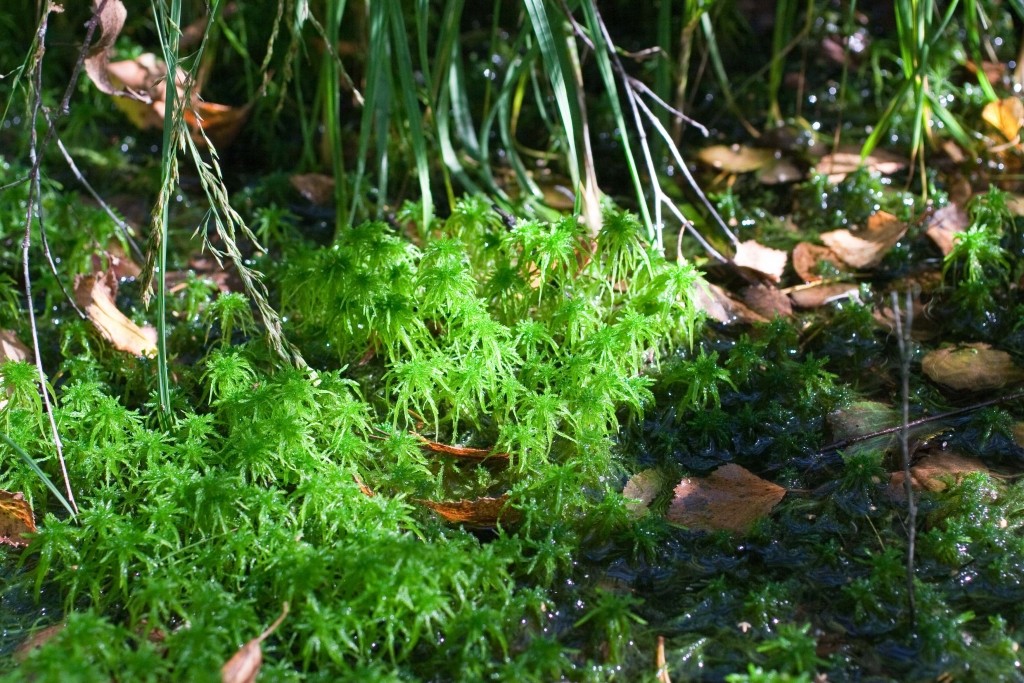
38 472
556 61
601 51
414 117
376 104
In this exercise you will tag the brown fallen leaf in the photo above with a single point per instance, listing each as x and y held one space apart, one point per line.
779 171
116 261
660 665
244 665
36 641
460 451
944 224
642 488
316 187
11 347
735 158
729 499
15 519
483 512
807 257
768 301
147 74
110 22
720 306
95 294
771 262
973 367
865 248
933 472
821 293
1006 116
846 160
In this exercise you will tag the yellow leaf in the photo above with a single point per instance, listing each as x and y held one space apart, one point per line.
1006 116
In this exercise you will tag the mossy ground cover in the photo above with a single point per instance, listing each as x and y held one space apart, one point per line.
513 371
270 485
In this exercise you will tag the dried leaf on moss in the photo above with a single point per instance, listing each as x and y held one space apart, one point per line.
735 158
729 499
934 471
865 248
11 347
16 519
1006 116
95 294
244 665
944 224
460 451
807 257
973 367
642 488
846 160
771 262
483 512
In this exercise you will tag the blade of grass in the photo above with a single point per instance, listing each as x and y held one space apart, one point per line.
414 117
28 460
168 26
602 49
553 55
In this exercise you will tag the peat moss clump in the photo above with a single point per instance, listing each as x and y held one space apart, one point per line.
280 485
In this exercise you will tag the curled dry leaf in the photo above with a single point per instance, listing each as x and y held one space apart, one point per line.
934 472
15 519
944 224
111 21
11 347
1006 116
866 247
807 257
974 367
846 160
720 306
763 259
642 488
729 499
95 294
482 512
245 665
147 74
460 451
736 158
822 293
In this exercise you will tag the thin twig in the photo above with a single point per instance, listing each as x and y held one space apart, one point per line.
122 226
904 341
34 209
840 445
